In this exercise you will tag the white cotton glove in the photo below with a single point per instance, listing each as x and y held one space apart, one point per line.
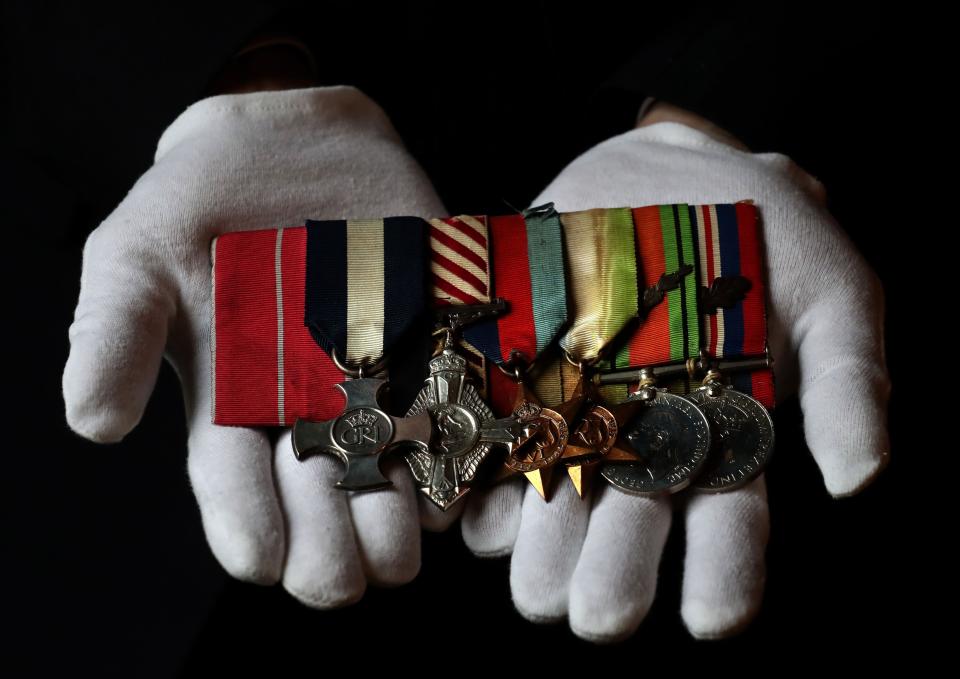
595 561
233 163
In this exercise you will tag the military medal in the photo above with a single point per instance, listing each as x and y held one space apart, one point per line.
669 435
667 432
535 459
741 430
604 283
603 280
464 429
742 433
737 391
595 435
528 273
364 290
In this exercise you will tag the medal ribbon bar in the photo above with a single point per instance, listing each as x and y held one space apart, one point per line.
267 368
670 330
734 325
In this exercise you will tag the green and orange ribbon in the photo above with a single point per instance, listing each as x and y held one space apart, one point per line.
670 330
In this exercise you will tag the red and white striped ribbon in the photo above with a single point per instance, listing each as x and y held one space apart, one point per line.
460 267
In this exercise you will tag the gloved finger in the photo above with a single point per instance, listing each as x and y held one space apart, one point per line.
491 519
615 580
387 527
844 386
724 568
232 479
546 551
436 520
323 567
118 333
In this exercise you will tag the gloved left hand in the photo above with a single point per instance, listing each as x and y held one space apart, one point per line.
234 163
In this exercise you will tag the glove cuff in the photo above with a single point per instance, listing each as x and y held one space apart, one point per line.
343 107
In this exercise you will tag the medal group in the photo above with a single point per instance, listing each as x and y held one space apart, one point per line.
629 342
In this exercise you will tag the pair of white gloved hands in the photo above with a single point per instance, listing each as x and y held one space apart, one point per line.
267 159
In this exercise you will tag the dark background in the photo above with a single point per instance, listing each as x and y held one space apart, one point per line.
109 568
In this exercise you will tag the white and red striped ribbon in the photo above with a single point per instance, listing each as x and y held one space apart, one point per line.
460 266
459 260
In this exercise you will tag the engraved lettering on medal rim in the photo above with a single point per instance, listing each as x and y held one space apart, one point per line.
756 417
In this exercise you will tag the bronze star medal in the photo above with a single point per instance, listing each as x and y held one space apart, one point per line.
595 437
535 458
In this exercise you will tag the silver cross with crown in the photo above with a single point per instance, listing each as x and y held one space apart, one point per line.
360 435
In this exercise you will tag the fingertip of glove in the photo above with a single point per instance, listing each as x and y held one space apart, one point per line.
255 576
245 561
487 543
93 409
325 601
538 618
708 622
97 424
400 574
602 638
254 571
248 553
852 480
482 552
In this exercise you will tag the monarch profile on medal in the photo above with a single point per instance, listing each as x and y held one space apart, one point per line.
456 428
671 436
654 438
742 434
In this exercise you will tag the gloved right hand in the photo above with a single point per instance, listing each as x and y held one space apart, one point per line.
595 561
233 163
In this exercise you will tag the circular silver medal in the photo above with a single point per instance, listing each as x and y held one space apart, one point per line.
672 439
742 437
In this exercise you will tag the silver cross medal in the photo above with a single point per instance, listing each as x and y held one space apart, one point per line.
464 430
360 435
